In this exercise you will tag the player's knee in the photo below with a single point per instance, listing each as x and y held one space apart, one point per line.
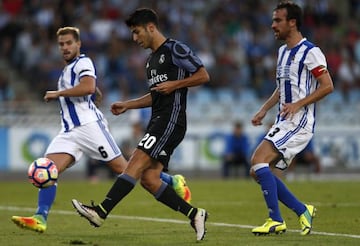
144 183
253 175
255 160
147 184
150 183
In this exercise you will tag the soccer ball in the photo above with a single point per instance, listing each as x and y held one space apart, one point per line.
42 173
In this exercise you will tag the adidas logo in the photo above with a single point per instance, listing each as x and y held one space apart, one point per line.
163 153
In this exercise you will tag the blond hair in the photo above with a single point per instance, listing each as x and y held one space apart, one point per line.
69 30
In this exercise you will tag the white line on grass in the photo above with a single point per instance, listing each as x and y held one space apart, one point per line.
64 212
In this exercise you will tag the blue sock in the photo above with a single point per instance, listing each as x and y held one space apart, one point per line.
167 178
269 188
45 199
288 199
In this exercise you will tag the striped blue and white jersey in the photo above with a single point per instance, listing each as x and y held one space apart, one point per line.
295 79
77 111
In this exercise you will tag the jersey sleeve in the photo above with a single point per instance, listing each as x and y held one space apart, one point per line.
85 67
185 58
316 61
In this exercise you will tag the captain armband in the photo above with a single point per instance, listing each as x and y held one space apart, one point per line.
320 70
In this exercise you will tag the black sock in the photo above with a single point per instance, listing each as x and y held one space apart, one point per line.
122 186
168 196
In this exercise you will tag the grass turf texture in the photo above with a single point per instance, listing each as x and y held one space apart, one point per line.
235 206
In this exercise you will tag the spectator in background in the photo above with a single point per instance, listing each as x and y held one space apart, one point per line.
236 151
6 92
240 22
349 75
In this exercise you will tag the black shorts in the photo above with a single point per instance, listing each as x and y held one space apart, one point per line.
161 138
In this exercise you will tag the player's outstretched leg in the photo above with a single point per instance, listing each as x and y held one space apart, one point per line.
35 223
270 226
95 218
89 212
197 216
181 188
306 219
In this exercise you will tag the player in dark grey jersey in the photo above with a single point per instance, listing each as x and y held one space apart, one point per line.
171 68
170 63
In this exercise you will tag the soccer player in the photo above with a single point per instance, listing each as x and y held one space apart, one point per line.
171 68
302 80
84 128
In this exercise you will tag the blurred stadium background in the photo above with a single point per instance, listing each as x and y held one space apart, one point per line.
233 38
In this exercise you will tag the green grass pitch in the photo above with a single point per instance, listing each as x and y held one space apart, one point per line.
235 206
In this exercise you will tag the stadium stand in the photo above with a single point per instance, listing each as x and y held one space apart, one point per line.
234 39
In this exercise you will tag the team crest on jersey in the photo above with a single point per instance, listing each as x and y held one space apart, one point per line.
283 72
162 59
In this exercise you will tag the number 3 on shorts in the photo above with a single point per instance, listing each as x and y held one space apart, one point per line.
276 130
147 141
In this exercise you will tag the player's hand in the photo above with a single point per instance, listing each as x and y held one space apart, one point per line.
164 87
118 108
51 95
289 110
257 119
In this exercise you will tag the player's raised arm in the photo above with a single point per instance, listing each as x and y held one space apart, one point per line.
85 87
121 107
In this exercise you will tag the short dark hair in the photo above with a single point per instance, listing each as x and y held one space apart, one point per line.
141 17
238 124
294 11
69 30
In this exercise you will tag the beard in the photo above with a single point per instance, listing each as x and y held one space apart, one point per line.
282 35
68 57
